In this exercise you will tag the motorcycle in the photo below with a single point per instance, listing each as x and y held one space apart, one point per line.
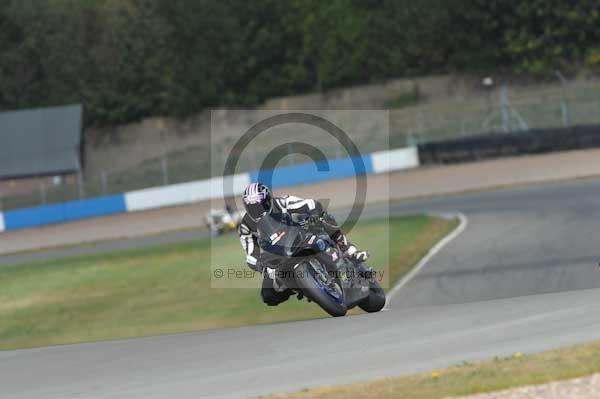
221 221
300 255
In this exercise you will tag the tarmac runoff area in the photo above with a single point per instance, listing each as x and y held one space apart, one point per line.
522 276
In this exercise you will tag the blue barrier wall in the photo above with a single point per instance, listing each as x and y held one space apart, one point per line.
294 175
64 212
314 172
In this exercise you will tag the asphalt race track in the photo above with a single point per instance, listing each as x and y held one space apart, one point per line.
523 276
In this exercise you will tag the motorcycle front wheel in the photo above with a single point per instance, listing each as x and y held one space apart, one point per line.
318 287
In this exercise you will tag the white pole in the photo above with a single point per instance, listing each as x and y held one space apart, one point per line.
564 110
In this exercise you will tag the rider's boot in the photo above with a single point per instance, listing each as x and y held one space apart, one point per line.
358 256
333 229
350 250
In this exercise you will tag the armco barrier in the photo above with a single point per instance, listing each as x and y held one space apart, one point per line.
184 193
534 141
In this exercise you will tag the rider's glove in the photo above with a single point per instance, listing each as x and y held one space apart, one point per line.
354 253
255 263
315 212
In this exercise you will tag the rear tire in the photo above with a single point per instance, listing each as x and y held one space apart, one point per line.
376 299
311 288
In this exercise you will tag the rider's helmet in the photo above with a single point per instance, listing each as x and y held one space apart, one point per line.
257 200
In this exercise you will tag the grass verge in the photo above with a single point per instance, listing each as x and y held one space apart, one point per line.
167 289
469 379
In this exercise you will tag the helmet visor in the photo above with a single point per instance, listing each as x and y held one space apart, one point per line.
259 209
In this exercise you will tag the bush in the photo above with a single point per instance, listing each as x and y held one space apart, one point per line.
128 59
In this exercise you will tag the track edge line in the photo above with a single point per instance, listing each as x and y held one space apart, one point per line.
431 253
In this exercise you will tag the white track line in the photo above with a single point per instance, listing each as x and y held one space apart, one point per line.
430 254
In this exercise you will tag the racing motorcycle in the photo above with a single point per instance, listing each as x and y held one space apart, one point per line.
221 221
300 255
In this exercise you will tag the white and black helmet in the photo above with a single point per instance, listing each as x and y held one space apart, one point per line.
257 200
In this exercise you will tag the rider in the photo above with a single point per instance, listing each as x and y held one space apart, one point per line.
259 203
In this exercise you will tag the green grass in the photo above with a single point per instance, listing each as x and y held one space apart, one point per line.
167 289
471 378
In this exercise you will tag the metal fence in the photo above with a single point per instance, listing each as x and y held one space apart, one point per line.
497 110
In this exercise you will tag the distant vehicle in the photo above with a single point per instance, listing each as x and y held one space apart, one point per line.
220 221
302 257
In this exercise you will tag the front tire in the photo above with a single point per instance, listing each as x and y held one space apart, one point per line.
314 288
376 299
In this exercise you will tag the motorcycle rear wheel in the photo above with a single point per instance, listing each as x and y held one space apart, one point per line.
376 299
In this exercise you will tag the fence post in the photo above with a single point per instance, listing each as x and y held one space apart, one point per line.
564 109
43 198
504 111
164 163
564 112
420 127
80 188
103 183
411 141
